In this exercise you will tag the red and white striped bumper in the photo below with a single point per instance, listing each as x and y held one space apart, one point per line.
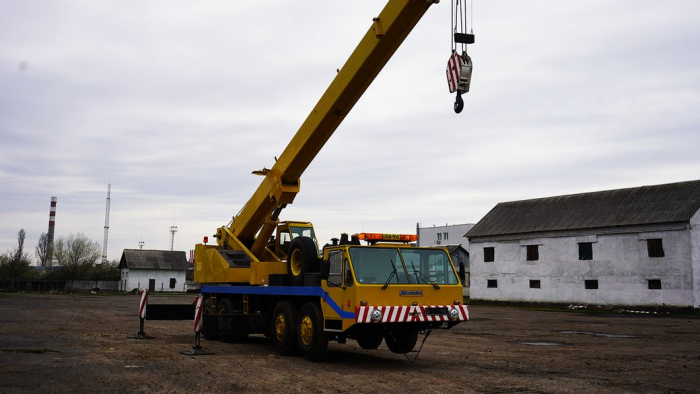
407 314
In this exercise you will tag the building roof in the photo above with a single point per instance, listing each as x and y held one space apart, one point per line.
154 260
673 202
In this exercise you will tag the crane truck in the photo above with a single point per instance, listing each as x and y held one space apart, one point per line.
266 276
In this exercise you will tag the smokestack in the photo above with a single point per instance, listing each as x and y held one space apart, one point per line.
52 224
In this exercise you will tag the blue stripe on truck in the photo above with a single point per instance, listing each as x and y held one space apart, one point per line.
281 291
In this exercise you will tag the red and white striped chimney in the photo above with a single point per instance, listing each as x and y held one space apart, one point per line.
52 224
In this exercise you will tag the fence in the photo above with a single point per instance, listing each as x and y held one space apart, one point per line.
33 285
104 285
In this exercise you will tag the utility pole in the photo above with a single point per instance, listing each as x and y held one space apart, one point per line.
104 244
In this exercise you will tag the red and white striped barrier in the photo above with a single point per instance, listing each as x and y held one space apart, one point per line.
198 314
142 304
407 314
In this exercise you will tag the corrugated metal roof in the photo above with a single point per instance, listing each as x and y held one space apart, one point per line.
154 260
673 202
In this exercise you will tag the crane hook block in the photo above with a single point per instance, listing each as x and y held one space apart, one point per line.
459 76
464 38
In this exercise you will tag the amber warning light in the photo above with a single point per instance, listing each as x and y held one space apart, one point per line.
380 237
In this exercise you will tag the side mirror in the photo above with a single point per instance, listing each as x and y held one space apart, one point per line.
325 269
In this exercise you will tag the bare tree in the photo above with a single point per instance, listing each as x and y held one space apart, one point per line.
76 254
42 249
15 264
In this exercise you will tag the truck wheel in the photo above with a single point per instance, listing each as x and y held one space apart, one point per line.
284 327
208 309
302 259
371 339
224 308
313 341
401 341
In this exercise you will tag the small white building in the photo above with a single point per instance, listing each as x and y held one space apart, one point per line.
154 270
633 247
451 237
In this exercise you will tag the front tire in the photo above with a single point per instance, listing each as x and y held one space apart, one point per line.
370 340
313 340
401 341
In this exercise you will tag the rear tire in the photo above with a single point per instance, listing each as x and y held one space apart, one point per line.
302 259
283 328
401 341
208 309
313 340
224 307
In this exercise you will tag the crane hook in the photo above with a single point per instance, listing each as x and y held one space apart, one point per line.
459 102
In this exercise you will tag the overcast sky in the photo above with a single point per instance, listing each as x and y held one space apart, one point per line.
175 103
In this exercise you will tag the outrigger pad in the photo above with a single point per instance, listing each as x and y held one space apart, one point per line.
464 38
197 351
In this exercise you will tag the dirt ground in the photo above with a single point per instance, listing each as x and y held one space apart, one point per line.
78 343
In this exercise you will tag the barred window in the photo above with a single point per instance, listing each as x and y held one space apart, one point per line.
489 254
585 251
533 253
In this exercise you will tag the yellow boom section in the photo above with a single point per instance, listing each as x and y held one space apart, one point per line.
281 183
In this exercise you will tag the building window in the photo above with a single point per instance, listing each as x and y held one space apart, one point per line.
534 284
492 283
654 284
439 235
591 284
533 253
489 254
585 251
445 236
172 283
655 247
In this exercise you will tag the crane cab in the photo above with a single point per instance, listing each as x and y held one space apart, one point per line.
287 231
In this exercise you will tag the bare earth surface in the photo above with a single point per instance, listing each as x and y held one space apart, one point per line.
79 344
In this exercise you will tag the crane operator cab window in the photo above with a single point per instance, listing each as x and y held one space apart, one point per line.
288 234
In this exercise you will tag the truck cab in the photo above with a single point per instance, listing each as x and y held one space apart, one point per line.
374 290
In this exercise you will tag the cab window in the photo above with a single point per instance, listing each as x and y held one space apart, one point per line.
336 268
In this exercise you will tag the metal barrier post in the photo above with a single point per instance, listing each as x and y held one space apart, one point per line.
143 303
197 350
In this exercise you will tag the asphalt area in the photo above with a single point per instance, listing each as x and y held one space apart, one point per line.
78 344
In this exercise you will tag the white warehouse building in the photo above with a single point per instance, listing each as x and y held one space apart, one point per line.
630 247
154 270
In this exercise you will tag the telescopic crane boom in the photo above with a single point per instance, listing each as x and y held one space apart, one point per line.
281 183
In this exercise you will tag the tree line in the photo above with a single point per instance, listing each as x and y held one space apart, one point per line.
75 256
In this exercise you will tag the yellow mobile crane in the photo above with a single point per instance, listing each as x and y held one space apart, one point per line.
264 276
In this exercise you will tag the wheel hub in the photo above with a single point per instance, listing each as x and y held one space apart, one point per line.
280 327
306 330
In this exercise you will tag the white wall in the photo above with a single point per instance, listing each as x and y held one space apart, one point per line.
695 256
427 236
620 264
139 279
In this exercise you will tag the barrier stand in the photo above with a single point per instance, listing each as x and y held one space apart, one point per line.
142 317
197 350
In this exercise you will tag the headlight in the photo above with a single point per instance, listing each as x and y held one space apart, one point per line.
376 315
454 314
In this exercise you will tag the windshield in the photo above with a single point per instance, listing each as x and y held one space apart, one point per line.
375 265
294 231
